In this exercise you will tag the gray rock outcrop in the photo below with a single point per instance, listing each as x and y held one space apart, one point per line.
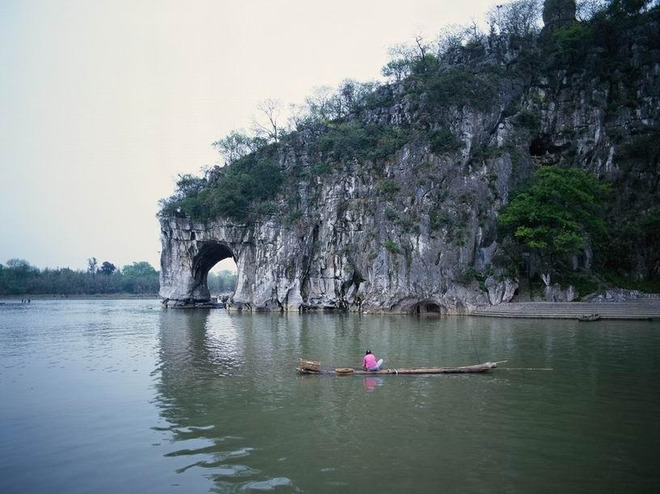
416 231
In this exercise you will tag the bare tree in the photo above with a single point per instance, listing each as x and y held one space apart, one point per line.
92 265
267 126
400 66
317 108
454 36
349 97
298 116
318 104
422 46
519 18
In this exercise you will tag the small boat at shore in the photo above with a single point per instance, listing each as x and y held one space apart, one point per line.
178 304
312 367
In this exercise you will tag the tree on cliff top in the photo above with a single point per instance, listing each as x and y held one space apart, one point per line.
558 13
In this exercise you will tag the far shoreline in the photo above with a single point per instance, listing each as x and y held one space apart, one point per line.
81 296
645 308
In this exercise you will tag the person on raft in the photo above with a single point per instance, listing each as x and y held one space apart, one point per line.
370 363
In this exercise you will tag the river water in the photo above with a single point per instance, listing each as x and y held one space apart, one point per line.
126 397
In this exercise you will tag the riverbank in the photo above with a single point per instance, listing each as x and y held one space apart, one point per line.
101 296
637 309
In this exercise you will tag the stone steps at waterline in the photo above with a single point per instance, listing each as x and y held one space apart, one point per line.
644 309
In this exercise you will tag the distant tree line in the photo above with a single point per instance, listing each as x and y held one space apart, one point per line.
18 277
222 282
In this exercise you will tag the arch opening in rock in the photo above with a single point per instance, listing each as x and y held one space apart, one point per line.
209 254
222 280
428 308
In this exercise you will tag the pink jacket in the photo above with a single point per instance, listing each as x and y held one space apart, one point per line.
369 360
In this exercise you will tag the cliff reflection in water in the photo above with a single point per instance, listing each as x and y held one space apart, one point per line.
214 385
237 409
240 418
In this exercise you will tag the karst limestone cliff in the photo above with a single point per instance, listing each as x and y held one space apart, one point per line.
415 229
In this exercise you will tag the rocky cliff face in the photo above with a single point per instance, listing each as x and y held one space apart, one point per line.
407 238
415 231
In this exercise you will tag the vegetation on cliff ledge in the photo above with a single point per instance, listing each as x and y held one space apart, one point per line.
557 215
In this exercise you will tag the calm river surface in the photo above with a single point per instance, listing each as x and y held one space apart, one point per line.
126 397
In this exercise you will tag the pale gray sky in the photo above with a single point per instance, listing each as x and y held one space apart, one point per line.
104 102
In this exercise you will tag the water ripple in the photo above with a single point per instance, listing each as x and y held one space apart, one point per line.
95 394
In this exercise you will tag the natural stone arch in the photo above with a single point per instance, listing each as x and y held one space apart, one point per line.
316 264
208 255
189 251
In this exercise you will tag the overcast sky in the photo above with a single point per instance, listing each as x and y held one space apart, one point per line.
104 102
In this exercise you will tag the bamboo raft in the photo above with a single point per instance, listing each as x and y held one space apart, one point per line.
312 367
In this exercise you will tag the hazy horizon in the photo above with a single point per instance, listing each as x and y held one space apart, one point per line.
106 102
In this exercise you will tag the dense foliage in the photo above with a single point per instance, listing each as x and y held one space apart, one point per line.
18 277
559 213
235 191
